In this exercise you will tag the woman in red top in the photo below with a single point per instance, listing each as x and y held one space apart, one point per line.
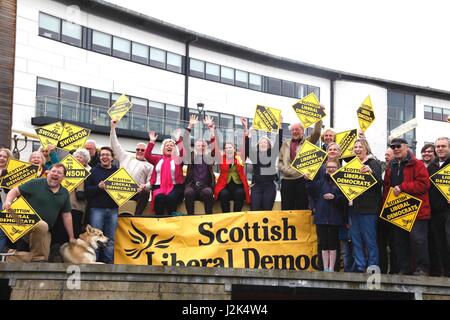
232 183
167 176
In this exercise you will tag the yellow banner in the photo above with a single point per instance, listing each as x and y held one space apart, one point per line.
267 119
259 240
441 180
120 186
19 172
351 181
50 133
19 220
76 173
365 114
309 159
346 141
120 108
402 210
308 110
73 137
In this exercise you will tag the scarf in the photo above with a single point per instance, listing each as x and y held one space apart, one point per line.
166 185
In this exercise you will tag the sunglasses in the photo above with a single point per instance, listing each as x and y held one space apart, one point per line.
142 150
396 146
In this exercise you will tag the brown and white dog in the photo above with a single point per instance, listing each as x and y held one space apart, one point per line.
82 250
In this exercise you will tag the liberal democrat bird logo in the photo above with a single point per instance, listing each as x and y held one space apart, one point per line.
141 239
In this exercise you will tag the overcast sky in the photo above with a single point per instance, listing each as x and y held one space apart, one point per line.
406 41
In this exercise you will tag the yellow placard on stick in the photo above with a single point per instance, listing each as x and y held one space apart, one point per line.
309 159
258 240
346 141
76 173
73 137
267 119
308 110
16 222
121 186
401 210
50 133
120 108
352 181
441 180
365 114
19 172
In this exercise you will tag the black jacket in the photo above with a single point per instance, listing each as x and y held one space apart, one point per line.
370 201
438 202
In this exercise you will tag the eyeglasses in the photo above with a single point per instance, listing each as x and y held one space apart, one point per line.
395 146
142 150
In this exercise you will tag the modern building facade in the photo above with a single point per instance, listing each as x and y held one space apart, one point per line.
74 58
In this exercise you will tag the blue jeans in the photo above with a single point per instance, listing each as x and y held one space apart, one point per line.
363 232
105 219
3 240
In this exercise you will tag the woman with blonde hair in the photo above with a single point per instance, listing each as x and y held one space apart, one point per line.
50 156
38 159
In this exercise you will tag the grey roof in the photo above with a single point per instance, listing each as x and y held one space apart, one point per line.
153 25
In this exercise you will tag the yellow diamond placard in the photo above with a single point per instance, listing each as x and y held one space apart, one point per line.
441 180
120 186
76 173
19 172
351 181
73 137
120 108
16 222
50 133
401 210
365 114
346 141
308 110
309 159
267 119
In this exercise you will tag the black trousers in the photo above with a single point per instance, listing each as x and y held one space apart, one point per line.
167 204
263 196
328 236
294 195
205 194
142 201
233 192
411 248
385 238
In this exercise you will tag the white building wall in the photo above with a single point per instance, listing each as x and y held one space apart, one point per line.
348 97
428 130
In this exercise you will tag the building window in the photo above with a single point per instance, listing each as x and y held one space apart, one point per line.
139 114
445 114
100 101
70 97
273 85
101 42
121 48
47 98
139 53
157 58
315 90
156 119
227 75
71 33
242 78
174 62
287 88
255 82
49 26
428 112
401 108
197 68
300 90
212 71
172 118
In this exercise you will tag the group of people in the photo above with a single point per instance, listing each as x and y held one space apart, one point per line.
348 228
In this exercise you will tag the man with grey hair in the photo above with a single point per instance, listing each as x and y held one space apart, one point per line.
293 187
137 167
91 146
440 208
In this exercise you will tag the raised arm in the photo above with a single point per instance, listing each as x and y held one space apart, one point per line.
153 159
120 153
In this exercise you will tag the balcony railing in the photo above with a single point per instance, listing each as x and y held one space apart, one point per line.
68 110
